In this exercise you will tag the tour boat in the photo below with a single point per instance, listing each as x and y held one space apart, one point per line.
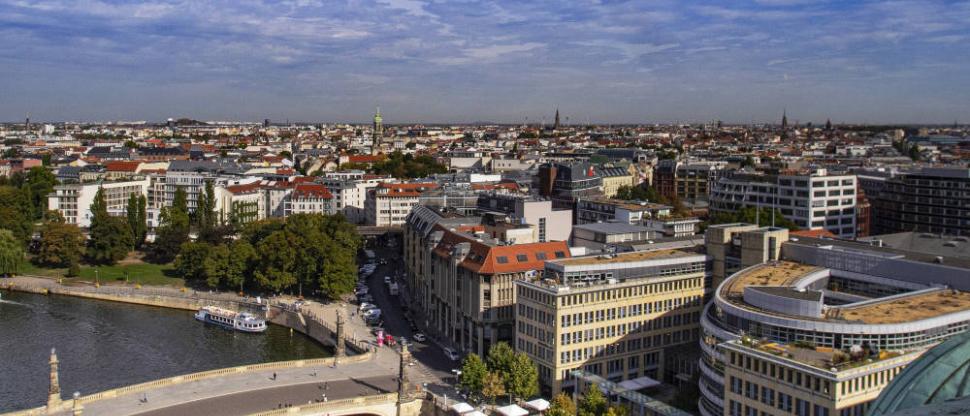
240 321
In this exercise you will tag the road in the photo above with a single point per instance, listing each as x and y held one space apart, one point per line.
432 367
277 397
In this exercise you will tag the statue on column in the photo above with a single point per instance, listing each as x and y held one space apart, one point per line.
402 380
340 350
54 393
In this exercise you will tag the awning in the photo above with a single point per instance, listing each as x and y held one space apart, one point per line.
512 410
638 383
539 405
461 408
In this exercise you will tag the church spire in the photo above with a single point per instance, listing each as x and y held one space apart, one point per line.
555 125
784 119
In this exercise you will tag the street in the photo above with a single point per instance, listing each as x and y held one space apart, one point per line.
432 367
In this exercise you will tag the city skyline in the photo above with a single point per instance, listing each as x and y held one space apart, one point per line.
895 62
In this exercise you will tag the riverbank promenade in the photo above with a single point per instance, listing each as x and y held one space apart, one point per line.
364 371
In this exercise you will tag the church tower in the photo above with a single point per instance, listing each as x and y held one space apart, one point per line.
784 119
378 132
555 125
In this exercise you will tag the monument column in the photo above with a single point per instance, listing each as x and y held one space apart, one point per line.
54 392
340 348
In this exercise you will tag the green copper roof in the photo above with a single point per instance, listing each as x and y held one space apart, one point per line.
939 375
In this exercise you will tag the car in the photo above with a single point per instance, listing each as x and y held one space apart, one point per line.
387 280
451 354
366 306
366 298
419 337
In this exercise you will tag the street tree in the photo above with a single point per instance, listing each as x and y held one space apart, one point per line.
473 372
523 377
500 359
16 212
136 215
11 253
562 405
492 386
593 403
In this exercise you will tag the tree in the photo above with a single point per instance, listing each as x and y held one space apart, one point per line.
205 215
500 359
191 261
593 403
135 213
38 182
751 215
618 411
173 229
473 372
11 253
562 405
110 238
643 192
227 264
523 377
60 245
16 212
492 386
275 269
914 152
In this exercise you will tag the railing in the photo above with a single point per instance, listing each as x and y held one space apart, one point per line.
333 405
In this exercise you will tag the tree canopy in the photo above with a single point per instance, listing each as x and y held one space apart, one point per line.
750 215
60 245
110 238
404 166
173 228
11 253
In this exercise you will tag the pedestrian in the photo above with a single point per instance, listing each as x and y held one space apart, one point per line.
274 375
326 385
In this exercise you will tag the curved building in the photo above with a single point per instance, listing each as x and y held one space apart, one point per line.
820 328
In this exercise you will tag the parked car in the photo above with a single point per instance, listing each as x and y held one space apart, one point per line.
419 337
366 306
387 280
451 354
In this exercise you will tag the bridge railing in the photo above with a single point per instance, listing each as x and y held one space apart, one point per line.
333 405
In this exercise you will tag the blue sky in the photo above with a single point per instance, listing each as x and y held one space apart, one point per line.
462 61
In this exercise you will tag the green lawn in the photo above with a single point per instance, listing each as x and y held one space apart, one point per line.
143 273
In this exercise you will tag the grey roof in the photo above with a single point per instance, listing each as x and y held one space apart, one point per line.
788 292
926 243
612 228
205 166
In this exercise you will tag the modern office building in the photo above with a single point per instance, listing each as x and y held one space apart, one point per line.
630 316
931 200
821 325
815 201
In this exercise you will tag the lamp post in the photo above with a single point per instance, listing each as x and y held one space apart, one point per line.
97 278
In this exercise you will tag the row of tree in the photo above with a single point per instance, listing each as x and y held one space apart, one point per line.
404 166
503 372
305 253
645 192
593 403
763 216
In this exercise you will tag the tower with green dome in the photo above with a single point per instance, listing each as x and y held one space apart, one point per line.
378 132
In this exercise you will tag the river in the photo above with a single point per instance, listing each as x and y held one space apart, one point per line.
103 345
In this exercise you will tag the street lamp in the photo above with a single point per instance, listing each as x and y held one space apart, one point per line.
97 278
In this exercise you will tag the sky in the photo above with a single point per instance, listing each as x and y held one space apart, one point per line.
437 61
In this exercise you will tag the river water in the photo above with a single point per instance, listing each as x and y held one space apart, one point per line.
103 345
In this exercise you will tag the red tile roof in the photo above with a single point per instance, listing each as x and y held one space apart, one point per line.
311 190
485 259
364 158
122 166
813 234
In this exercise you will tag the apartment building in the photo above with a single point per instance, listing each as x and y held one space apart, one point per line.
308 198
694 181
631 316
388 204
614 178
838 312
350 193
932 200
815 201
73 201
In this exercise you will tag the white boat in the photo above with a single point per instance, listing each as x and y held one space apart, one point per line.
240 321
